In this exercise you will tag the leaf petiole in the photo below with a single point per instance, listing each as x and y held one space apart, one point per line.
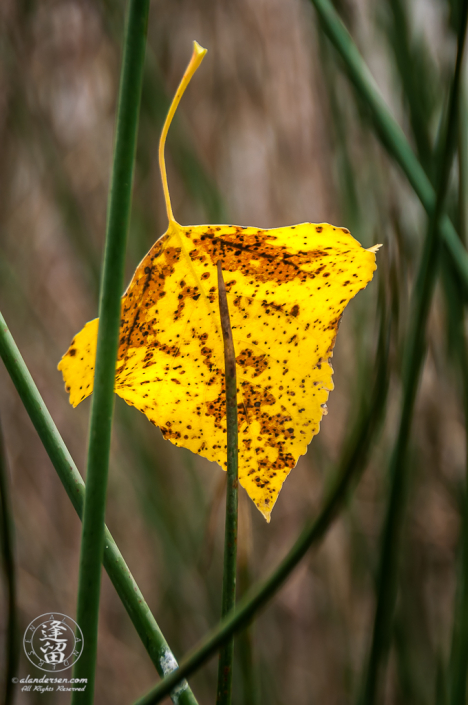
197 57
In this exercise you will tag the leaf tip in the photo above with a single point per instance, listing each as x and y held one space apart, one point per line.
266 515
265 508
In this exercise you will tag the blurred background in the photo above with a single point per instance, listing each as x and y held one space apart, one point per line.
269 133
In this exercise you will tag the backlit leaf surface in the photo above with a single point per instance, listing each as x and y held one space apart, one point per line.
287 289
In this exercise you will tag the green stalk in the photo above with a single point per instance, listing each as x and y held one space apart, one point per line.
12 645
352 463
463 160
414 80
455 310
92 541
226 654
388 129
413 358
459 656
114 563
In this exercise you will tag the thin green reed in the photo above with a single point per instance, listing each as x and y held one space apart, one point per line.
459 660
458 665
458 684
458 351
352 463
388 129
455 305
415 76
413 358
114 563
92 542
12 644
224 695
463 160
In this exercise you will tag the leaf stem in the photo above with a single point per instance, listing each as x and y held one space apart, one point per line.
413 359
127 589
92 542
226 654
197 57
352 463
388 130
12 646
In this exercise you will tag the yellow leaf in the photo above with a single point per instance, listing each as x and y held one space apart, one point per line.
287 289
